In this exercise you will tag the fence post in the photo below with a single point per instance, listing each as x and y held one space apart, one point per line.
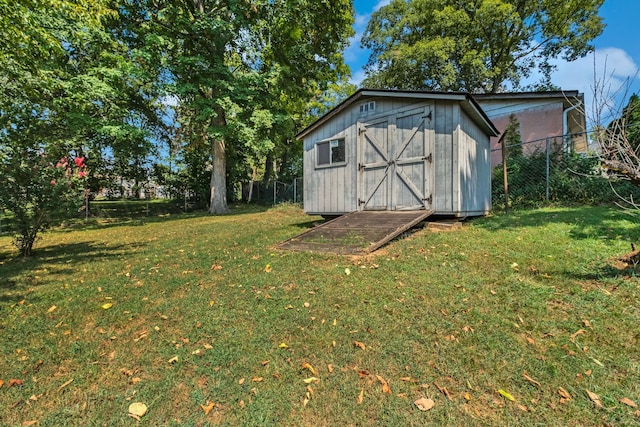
505 179
295 190
547 173
275 184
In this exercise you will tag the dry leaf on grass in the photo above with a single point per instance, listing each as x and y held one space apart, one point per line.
208 407
564 395
137 410
424 404
575 334
51 309
628 402
308 367
361 396
359 344
311 380
595 399
531 380
385 385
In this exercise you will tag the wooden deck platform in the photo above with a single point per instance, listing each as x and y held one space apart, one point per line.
357 232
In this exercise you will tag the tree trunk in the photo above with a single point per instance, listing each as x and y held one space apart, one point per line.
218 201
268 168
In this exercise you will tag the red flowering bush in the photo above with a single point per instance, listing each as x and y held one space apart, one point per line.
39 189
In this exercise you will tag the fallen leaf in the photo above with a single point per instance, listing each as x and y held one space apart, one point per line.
106 306
65 384
531 341
135 380
597 362
586 323
306 305
174 359
14 382
257 379
216 266
575 334
628 402
1 383
283 345
347 271
29 423
408 379
531 380
565 396
208 407
361 396
241 381
51 309
138 409
506 395
424 404
311 380
466 396
385 385
268 269
594 398
330 368
359 344
444 391
308 367
363 373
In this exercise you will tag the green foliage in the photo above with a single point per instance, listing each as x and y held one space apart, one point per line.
241 72
573 179
38 187
69 89
471 45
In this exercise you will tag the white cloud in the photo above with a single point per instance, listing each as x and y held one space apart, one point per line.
609 72
381 4
357 77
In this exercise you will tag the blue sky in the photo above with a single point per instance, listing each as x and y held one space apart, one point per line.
617 47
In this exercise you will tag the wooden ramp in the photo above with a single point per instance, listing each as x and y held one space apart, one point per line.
356 233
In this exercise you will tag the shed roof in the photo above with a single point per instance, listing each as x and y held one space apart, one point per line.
468 104
568 97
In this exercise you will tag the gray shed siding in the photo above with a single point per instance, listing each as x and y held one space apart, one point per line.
458 178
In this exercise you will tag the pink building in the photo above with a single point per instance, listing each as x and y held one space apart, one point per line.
555 115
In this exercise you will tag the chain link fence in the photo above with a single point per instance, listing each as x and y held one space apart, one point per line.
273 192
544 172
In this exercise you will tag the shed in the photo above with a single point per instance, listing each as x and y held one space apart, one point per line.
399 150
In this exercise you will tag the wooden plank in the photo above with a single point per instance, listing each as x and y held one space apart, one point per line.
357 232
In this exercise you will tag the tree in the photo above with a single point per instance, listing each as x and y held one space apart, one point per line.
232 65
66 83
474 45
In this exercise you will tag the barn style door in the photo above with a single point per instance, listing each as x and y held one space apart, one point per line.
395 162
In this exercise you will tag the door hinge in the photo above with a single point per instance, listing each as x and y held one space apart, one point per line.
428 116
429 158
361 202
361 131
360 166
429 199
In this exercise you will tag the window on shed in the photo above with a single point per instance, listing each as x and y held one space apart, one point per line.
331 152
368 107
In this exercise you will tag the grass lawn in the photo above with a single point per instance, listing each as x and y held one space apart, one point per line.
200 319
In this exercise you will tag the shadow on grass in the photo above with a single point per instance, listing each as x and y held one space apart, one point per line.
19 275
585 222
